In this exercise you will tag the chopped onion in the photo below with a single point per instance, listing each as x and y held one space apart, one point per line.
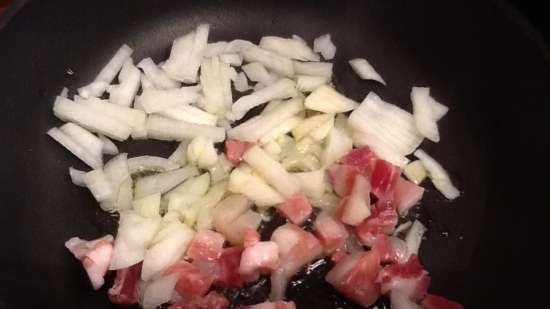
220 170
188 192
77 177
327 201
365 70
148 206
241 83
323 69
214 49
180 154
153 100
207 204
129 81
256 72
82 137
312 183
440 178
324 45
284 127
125 195
414 237
117 170
380 147
232 59
402 227
253 187
131 117
146 83
108 146
64 92
159 291
321 132
190 114
292 48
162 128
99 185
201 152
75 148
158 77
327 100
237 46
282 89
216 86
162 182
151 163
310 124
274 62
91 119
337 145
107 73
272 171
415 171
307 83
427 112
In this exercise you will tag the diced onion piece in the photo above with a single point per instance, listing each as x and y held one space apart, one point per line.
323 130
162 128
190 114
307 83
272 171
274 62
337 145
107 73
146 83
186 55
207 204
327 201
91 119
327 100
415 171
75 148
323 69
427 112
180 154
380 148
283 128
365 70
129 79
232 59
216 86
256 72
148 206
282 89
159 291
310 124
214 49
414 237
99 185
440 178
153 100
324 45
77 177
151 163
237 46
253 187
108 146
81 136
162 182
158 77
241 83
292 48
220 170
64 92
313 183
117 172
132 117
201 152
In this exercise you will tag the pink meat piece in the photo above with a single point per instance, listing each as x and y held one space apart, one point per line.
95 256
296 209
206 245
259 259
125 289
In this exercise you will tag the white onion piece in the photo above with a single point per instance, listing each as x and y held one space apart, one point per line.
387 123
107 73
440 178
365 70
427 112
216 86
241 82
159 291
306 83
402 227
235 60
162 128
134 235
186 55
414 237
274 62
256 72
272 171
326 201
64 92
323 44
237 46
146 83
214 49
323 69
99 185
282 89
380 147
201 152
151 163
129 80
206 204
321 132
117 170
77 177
162 182
81 136
399 300
168 246
108 146
148 206
75 148
283 128
313 183
253 187
190 114
232 73
153 100
180 154
415 171
131 117
337 145
188 192
125 195
327 100
292 48
309 124
91 119
158 77
220 170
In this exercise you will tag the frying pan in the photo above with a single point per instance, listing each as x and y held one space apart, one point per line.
481 58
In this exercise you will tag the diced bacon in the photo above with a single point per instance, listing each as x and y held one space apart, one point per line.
271 305
338 256
228 264
384 178
234 150
361 159
355 207
193 281
390 249
125 289
355 277
206 245
296 209
330 232
382 220
342 177
251 237
212 300
409 278
437 302
261 258
95 256
406 195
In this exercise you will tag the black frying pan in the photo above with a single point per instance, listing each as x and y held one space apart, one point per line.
480 58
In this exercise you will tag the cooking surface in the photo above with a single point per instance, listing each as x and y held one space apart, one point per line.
491 72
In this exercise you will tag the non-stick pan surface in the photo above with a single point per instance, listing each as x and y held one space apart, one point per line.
485 249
